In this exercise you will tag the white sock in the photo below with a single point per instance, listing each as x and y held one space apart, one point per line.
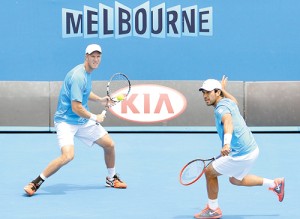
43 176
213 204
268 183
111 172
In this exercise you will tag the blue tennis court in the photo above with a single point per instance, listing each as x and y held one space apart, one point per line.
150 164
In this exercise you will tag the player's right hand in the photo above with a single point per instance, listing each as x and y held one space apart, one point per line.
100 117
226 150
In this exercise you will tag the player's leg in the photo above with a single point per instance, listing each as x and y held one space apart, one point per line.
276 185
212 184
212 209
241 177
91 134
67 154
248 180
109 150
112 180
65 136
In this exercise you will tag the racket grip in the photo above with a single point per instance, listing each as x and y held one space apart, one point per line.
104 112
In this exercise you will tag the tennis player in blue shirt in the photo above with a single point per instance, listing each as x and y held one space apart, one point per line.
239 149
74 119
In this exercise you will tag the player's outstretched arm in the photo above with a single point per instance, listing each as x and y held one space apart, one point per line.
95 98
225 92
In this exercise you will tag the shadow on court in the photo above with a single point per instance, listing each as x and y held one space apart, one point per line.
62 189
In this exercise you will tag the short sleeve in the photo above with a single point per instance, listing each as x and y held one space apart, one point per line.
221 111
77 87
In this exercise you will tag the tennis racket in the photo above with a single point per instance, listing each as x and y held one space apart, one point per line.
117 89
194 169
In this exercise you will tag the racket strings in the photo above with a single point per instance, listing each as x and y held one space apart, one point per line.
117 83
192 171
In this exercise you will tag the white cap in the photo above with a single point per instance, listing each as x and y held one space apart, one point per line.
92 48
211 84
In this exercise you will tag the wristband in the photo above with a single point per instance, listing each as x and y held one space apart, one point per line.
93 117
227 138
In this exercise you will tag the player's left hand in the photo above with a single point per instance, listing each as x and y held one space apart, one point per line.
109 102
224 82
106 101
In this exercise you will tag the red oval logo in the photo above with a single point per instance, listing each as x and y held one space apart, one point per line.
150 103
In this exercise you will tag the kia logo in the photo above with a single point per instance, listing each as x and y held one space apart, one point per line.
150 103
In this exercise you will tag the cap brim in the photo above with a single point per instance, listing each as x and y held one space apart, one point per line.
93 51
206 89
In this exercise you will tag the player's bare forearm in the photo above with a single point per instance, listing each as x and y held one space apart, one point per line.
80 110
95 98
228 129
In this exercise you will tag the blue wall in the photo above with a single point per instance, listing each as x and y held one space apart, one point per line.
251 41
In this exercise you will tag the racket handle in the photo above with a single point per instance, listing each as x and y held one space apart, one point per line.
104 112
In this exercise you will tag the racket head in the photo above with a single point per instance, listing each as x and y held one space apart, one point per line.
118 85
191 172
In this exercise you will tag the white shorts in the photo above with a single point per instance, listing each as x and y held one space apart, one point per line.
87 133
237 167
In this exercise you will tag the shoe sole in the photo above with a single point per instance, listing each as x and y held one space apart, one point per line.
115 187
208 217
283 184
29 193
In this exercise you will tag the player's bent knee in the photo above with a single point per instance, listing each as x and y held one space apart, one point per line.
109 145
210 172
106 142
66 158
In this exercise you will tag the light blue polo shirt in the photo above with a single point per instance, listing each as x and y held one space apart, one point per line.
242 141
76 87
